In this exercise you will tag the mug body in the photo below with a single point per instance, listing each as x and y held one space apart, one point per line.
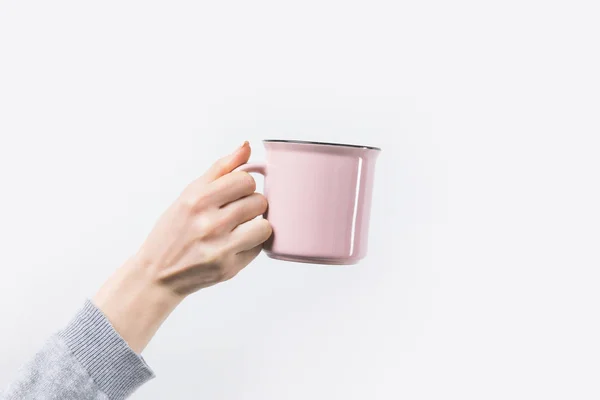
319 200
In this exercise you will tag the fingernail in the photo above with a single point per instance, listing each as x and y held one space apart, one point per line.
242 146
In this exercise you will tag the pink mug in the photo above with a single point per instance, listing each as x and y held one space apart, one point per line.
319 197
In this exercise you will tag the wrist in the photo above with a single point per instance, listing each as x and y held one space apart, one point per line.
135 303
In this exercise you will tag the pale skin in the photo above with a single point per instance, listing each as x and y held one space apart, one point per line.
208 235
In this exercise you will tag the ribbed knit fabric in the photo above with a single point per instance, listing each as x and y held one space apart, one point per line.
88 360
113 366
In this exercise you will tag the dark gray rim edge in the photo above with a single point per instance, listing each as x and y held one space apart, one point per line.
321 143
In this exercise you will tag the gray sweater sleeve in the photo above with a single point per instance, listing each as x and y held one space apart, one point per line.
86 360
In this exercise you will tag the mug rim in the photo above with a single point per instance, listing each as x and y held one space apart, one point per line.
356 146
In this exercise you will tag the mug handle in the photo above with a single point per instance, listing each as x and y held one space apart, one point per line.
260 168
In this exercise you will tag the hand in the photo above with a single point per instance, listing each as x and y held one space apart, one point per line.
207 236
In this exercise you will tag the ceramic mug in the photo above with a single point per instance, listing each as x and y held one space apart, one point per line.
319 197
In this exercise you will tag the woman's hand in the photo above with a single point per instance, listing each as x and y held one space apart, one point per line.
207 236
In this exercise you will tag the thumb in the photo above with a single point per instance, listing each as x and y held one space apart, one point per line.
225 165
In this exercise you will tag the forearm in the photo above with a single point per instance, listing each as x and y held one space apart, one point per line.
135 303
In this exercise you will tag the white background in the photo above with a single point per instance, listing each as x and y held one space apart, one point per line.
483 269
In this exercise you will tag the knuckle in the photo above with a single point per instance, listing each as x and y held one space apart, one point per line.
206 227
192 202
202 200
247 181
187 202
265 228
263 203
242 208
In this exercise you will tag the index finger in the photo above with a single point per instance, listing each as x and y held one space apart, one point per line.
228 163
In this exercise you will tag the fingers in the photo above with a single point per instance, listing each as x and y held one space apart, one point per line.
224 166
244 258
230 187
241 260
250 234
245 209
228 163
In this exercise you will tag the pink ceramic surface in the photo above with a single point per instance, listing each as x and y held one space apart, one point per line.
319 200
